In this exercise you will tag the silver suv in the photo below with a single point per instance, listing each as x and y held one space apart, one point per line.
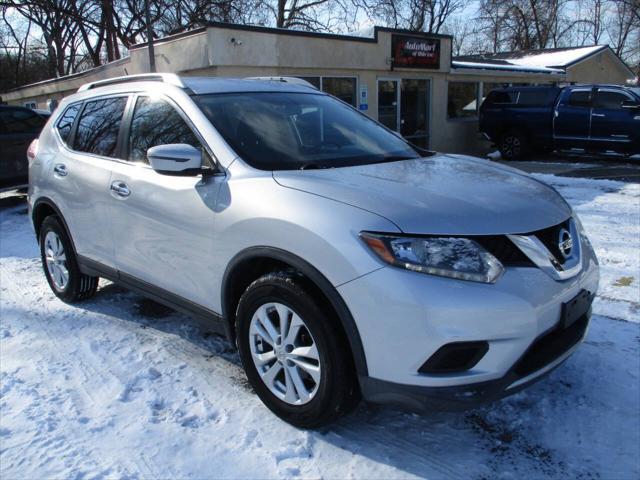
343 262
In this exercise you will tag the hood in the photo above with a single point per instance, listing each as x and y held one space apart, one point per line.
443 194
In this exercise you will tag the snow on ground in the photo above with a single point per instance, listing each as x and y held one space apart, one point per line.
119 387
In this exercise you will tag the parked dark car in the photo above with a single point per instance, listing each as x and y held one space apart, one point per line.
18 127
597 118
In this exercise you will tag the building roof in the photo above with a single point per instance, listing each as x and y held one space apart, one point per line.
503 66
559 58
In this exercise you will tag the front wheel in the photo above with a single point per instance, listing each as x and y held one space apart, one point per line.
60 264
295 358
513 146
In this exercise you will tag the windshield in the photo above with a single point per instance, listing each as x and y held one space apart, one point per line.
636 90
283 131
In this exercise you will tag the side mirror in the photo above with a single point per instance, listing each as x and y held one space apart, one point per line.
630 105
175 159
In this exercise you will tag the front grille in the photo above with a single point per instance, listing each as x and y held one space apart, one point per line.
550 239
551 346
504 250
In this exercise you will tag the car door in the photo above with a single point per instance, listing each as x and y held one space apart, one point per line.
572 118
613 127
81 172
163 224
18 127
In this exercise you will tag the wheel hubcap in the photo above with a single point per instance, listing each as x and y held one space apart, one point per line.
56 261
284 353
511 146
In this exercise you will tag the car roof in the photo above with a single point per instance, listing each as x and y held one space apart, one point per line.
199 85
527 87
205 85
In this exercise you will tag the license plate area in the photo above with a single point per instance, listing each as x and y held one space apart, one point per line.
575 308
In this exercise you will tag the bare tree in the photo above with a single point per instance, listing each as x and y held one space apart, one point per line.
624 29
417 15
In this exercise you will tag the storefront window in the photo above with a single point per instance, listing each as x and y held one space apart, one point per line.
462 100
343 88
315 81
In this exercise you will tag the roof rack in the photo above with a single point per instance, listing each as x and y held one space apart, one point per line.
170 78
291 80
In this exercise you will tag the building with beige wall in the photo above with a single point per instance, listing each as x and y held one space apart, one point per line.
406 80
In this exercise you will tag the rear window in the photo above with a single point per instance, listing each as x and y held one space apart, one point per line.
99 125
65 123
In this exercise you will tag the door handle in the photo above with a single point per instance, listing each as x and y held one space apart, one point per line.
598 115
61 169
120 189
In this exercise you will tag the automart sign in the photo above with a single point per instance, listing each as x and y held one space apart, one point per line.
415 52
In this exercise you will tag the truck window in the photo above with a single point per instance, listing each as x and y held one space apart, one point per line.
536 98
502 98
580 98
609 100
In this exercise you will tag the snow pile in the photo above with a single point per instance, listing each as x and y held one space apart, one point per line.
120 387
495 66
559 58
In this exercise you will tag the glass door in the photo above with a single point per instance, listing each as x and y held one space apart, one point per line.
389 104
403 106
414 111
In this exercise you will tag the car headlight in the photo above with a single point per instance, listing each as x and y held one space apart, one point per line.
453 257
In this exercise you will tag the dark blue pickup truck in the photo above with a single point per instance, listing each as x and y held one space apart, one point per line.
597 118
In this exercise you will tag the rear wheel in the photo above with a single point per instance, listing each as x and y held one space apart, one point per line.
513 145
60 264
294 356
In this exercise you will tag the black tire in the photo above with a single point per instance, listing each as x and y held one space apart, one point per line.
513 145
79 286
337 392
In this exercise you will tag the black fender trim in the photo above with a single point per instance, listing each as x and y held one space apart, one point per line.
309 271
50 203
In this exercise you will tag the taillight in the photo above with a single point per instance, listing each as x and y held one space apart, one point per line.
32 151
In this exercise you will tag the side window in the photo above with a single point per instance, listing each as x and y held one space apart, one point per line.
534 98
502 98
155 122
65 123
99 125
580 98
22 121
609 100
462 99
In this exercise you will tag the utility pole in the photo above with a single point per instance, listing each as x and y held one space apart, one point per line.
152 55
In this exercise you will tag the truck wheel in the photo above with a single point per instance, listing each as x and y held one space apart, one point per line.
513 146
295 358
60 264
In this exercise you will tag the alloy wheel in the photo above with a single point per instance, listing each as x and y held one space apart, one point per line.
284 353
56 261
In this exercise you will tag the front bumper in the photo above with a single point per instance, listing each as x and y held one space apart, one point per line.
463 397
404 317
